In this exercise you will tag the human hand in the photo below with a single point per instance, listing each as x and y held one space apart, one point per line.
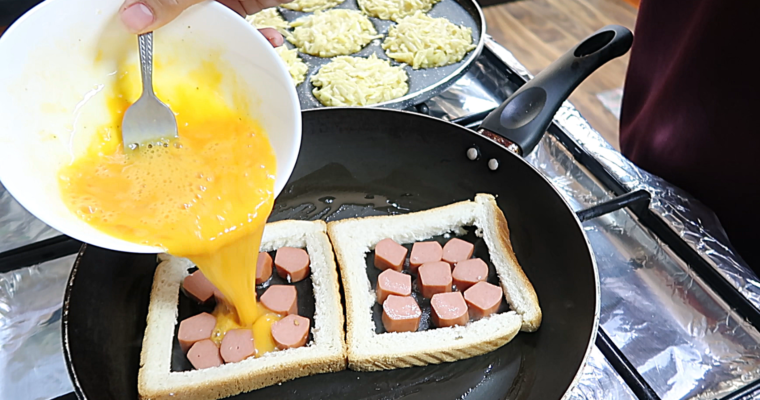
142 16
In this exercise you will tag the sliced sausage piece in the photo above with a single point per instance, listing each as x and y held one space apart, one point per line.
263 268
389 255
393 282
434 277
449 309
293 263
237 345
401 314
483 299
281 299
194 329
291 331
469 272
204 354
456 250
425 252
198 287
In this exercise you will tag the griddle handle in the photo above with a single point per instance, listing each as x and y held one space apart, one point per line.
524 117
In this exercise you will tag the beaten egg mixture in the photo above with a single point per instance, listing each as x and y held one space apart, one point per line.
205 196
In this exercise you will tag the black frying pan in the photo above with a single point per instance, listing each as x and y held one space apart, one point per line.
376 161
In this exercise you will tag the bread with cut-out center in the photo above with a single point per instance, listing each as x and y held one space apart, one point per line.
354 238
326 353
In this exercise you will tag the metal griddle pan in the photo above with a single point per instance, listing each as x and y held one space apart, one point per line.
423 83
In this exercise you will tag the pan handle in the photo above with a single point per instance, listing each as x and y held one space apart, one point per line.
524 117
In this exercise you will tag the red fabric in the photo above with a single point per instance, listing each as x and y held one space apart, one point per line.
691 107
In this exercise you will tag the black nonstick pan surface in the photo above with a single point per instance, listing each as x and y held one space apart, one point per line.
423 83
362 161
10 10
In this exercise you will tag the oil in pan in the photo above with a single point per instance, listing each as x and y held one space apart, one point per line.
423 83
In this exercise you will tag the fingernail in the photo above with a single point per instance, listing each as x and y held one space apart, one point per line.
137 17
276 40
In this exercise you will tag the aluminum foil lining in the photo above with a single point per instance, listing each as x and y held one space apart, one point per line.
600 381
32 366
682 338
17 226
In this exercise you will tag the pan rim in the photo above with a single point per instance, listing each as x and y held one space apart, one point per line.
597 288
65 326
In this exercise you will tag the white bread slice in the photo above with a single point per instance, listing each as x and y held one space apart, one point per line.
327 352
368 351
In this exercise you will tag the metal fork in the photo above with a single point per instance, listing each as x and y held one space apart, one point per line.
148 121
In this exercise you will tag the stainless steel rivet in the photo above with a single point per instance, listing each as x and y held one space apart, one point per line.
472 153
493 164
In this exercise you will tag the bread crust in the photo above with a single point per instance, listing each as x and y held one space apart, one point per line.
443 352
326 354
368 351
531 313
247 382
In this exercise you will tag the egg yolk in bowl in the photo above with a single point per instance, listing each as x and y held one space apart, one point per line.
205 196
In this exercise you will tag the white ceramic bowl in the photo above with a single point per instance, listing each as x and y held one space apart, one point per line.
51 93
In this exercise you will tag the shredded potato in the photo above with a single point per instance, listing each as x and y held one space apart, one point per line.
332 33
296 66
425 42
395 10
311 5
269 18
355 81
